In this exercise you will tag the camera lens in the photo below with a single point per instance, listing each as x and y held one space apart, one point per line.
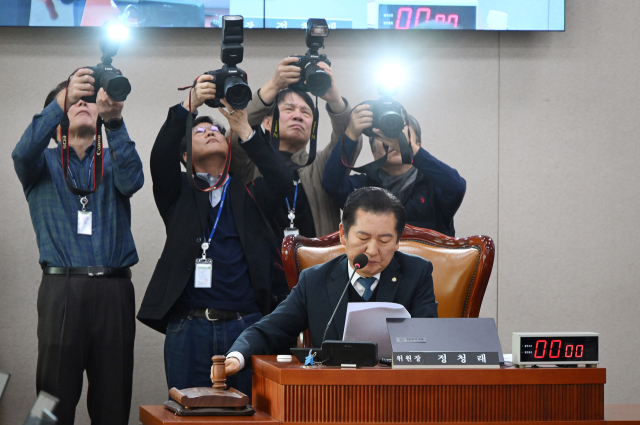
116 86
318 81
391 123
237 92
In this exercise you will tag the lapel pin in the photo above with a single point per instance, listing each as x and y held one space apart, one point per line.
393 280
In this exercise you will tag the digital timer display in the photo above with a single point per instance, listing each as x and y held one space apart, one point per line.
432 17
560 348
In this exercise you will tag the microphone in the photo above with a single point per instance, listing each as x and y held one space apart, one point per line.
359 262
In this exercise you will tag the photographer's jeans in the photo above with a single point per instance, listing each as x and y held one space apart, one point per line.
191 342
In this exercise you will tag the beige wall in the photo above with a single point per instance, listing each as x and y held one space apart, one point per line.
543 126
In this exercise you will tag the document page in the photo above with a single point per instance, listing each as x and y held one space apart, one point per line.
368 322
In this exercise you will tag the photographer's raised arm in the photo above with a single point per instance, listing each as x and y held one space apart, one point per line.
338 110
286 73
165 155
165 159
127 166
204 89
272 187
28 155
450 187
335 179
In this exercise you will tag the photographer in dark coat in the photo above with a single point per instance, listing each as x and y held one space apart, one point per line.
223 233
430 190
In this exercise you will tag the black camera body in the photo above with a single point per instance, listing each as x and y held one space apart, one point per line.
231 84
231 81
106 76
388 116
111 80
312 78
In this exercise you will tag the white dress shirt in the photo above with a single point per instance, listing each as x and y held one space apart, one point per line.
357 285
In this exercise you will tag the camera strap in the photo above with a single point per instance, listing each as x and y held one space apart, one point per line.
189 142
313 141
98 151
406 152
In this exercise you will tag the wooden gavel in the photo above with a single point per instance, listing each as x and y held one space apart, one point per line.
218 396
218 373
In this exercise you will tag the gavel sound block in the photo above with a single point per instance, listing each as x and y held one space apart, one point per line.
216 396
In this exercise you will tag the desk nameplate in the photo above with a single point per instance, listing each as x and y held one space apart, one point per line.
445 359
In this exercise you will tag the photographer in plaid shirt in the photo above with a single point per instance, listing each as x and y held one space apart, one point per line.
86 306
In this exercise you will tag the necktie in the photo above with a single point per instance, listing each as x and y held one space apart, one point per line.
366 282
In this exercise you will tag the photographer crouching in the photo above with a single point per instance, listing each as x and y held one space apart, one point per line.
79 199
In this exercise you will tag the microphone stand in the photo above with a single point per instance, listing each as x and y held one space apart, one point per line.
356 267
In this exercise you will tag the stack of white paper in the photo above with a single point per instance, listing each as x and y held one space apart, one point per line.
368 322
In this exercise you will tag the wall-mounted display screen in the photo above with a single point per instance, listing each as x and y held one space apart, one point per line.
393 15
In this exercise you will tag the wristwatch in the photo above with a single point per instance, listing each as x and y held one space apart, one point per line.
113 124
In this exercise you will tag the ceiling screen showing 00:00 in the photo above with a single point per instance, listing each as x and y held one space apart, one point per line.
394 15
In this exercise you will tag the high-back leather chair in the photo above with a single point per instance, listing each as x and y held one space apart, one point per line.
461 266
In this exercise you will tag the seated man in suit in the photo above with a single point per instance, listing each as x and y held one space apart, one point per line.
372 223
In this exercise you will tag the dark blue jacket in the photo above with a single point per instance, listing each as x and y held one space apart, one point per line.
185 212
431 201
406 280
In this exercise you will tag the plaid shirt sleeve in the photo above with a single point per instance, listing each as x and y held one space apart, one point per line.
126 163
28 155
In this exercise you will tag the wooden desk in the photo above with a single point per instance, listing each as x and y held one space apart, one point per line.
292 394
614 414
159 415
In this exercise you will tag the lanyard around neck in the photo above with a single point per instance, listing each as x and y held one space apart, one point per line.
98 153
72 174
207 243
295 199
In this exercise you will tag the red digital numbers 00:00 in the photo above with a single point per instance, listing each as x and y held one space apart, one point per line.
554 352
439 18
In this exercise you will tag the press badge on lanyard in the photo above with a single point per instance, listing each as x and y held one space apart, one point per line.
85 219
292 230
204 265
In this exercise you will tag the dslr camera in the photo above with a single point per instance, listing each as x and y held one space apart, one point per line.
231 81
105 75
388 115
313 78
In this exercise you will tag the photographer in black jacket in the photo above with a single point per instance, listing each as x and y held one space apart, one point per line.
222 233
430 190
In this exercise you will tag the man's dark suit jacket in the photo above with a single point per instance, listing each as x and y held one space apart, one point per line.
313 300
185 211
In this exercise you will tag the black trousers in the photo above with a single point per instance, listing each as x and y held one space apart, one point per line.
87 323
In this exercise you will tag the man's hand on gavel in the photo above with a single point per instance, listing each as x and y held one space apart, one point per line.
231 366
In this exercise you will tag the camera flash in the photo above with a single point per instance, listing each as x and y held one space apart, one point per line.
319 31
391 75
117 31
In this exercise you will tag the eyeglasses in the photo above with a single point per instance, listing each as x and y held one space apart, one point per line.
201 129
